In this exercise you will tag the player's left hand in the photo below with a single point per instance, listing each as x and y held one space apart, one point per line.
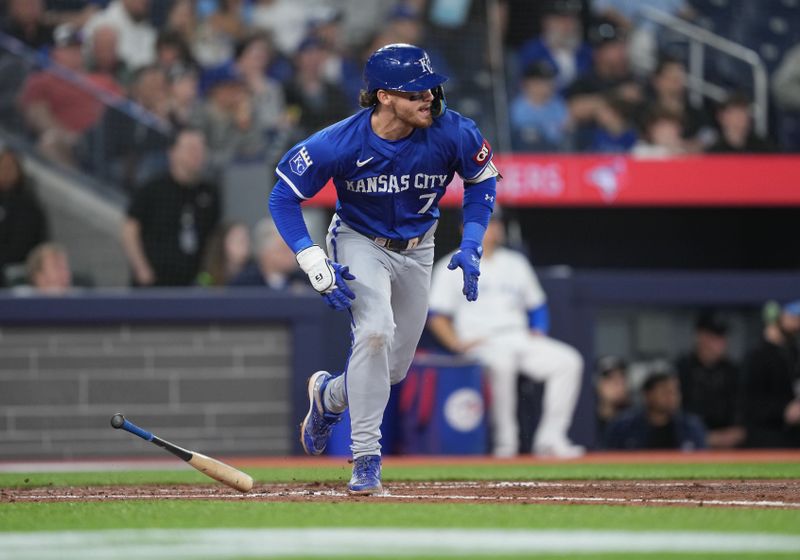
469 261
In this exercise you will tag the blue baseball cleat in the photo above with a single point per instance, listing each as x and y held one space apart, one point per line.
366 475
316 427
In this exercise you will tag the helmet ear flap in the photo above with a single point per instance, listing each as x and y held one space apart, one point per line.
438 105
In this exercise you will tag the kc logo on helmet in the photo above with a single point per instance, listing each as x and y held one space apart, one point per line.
425 62
483 154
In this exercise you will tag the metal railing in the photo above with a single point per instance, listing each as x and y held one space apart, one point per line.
699 39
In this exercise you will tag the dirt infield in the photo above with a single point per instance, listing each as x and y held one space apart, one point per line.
781 494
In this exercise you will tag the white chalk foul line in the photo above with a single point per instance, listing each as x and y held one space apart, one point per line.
218 544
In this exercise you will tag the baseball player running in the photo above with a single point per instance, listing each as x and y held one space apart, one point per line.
390 163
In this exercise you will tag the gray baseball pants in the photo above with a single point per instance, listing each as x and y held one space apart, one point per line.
388 316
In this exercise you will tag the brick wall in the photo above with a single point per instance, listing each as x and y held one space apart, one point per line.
220 389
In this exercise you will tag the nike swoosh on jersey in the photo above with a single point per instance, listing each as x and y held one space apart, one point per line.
360 163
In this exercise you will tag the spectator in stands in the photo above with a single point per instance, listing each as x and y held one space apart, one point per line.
786 90
613 397
230 19
285 20
60 103
506 331
227 254
48 269
252 57
275 266
632 17
735 119
659 423
172 50
182 20
133 142
170 218
539 115
137 37
25 21
23 223
315 102
610 73
613 131
560 43
341 67
786 81
771 382
661 136
185 106
711 382
668 84
102 57
229 121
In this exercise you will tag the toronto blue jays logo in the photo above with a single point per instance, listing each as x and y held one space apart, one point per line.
301 161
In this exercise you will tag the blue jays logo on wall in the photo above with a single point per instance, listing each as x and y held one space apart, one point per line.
300 162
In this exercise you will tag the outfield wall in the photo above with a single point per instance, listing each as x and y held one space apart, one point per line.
224 371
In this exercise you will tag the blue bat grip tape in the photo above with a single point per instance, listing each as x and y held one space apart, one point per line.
134 429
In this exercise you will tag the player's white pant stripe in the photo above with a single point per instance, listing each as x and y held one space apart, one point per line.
289 182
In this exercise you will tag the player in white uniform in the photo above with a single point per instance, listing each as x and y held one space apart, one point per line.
506 331
390 163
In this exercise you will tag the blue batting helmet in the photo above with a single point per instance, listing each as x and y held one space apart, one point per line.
401 67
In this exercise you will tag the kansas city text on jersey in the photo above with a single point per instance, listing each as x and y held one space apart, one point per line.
395 184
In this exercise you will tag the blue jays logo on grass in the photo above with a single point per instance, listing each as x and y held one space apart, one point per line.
300 162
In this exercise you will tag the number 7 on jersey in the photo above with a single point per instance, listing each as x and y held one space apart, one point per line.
431 197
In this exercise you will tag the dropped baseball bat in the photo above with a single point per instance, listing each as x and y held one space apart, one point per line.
217 470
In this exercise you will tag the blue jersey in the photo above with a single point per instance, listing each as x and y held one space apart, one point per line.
387 188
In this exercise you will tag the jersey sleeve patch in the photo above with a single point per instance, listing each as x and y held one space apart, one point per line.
483 155
300 162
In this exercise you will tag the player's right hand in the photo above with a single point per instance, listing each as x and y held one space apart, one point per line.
327 277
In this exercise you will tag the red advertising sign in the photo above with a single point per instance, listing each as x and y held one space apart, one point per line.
594 180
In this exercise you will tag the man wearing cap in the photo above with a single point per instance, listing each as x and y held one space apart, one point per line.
59 103
771 384
506 332
539 116
560 44
710 382
390 164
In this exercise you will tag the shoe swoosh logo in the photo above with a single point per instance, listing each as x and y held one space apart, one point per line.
360 163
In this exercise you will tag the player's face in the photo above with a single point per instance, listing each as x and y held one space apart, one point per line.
412 108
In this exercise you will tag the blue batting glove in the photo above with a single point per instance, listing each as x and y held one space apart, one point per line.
469 261
327 277
339 297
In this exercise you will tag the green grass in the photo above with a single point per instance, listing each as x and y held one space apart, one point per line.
204 514
497 471
234 513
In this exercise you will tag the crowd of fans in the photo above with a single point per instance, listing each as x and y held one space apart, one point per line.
704 399
254 75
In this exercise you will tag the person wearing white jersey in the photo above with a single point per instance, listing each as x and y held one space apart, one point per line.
506 331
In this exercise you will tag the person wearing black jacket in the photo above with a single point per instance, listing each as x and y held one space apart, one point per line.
23 224
710 382
771 385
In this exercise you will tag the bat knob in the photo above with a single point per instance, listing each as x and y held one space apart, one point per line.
117 420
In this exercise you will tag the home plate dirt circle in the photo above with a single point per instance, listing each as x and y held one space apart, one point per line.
781 494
